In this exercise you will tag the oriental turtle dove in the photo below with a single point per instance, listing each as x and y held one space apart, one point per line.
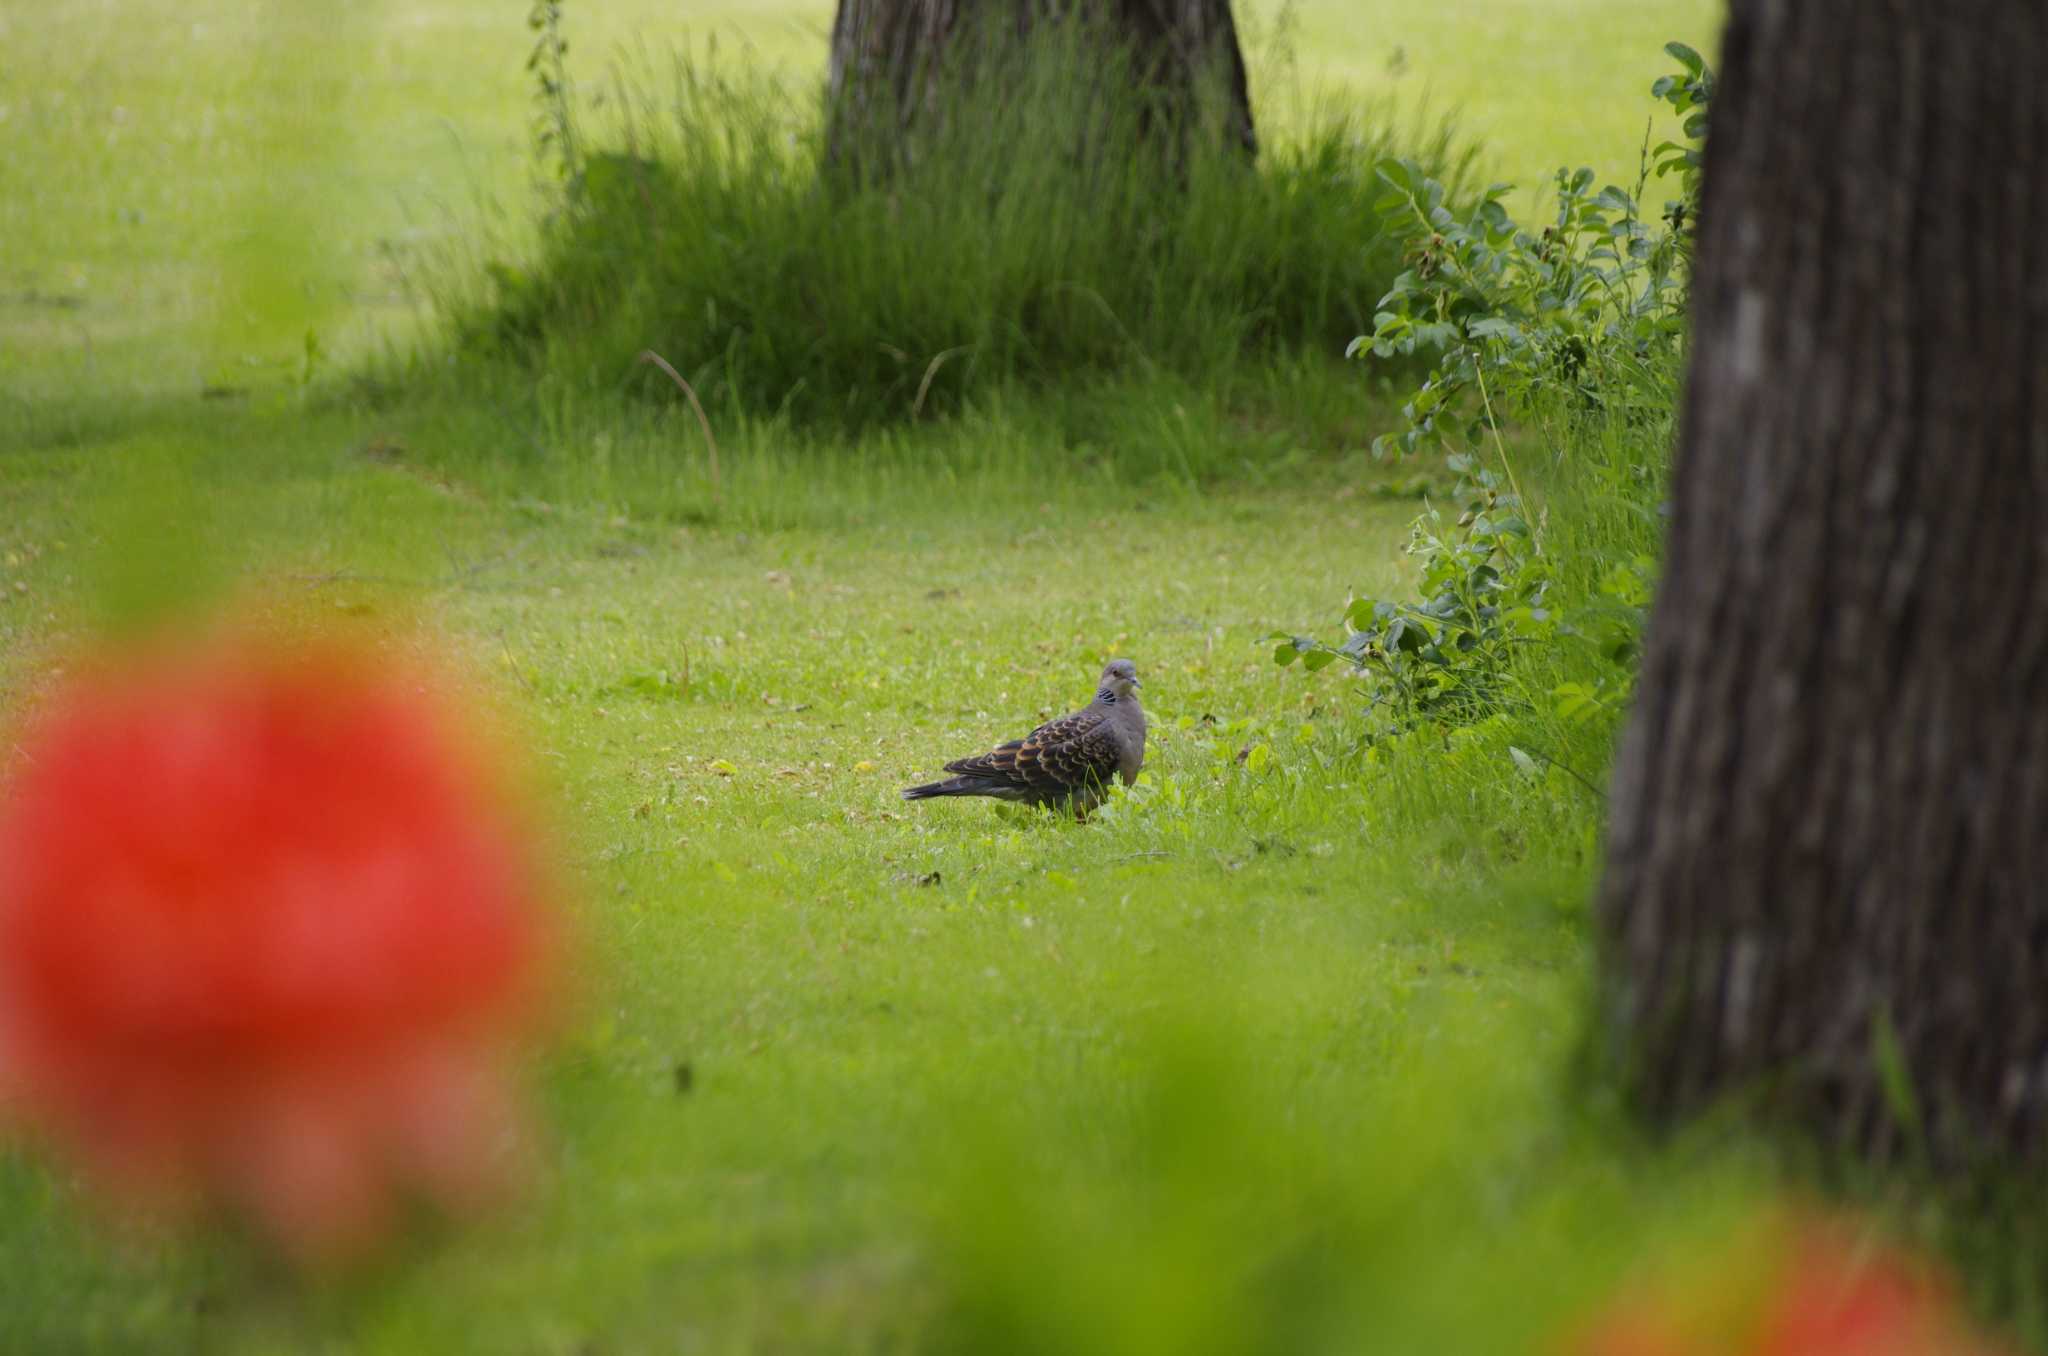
1066 762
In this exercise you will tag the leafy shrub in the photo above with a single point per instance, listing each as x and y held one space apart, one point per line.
1445 658
1576 332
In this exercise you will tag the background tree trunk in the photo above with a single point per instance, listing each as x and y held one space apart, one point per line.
1830 836
889 57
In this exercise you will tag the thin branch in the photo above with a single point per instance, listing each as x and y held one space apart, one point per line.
924 387
1493 424
1568 770
648 355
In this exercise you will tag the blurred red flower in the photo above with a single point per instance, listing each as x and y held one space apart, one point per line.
269 929
1797 1285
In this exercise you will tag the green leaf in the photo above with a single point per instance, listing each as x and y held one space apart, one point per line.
1575 702
1896 1078
1525 764
1686 57
1316 660
1406 634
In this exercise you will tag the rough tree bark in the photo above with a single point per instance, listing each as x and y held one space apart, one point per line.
1829 853
890 56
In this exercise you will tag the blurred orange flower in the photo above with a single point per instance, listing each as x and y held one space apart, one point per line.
1796 1285
269 929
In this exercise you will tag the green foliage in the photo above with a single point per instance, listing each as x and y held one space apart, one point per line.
1445 658
713 230
1575 333
1188 1223
1688 92
554 130
1263 1058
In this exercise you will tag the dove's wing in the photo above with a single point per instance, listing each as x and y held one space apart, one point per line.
1060 756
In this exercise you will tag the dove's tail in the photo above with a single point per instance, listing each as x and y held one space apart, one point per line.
957 786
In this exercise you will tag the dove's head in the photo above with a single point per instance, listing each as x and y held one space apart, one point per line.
1119 678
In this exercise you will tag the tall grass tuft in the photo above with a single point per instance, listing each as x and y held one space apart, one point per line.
1031 243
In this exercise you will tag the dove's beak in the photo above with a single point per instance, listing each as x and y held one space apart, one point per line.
1136 683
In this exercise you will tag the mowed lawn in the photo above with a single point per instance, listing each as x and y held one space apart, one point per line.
837 1061
812 1015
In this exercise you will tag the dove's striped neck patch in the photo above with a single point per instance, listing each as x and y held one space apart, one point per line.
1105 696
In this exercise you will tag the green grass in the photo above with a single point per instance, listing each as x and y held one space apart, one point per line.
1328 988
693 225
147 139
1271 1056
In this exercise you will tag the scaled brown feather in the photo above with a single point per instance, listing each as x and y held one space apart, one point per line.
1069 761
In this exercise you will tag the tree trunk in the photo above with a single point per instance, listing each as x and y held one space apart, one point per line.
1828 874
892 58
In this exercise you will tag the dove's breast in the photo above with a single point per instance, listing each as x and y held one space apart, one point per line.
1131 745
